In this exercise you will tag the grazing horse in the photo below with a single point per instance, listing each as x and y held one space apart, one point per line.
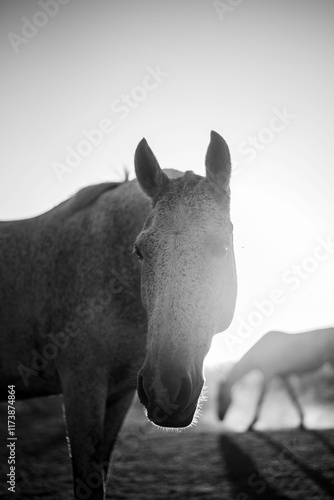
120 287
279 354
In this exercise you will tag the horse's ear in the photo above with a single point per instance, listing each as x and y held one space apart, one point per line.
149 174
218 161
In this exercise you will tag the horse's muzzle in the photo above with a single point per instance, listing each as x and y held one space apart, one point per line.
165 418
176 405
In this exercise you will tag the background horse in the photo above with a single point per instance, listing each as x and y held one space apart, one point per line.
80 316
279 354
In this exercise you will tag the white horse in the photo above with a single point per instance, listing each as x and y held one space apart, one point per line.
120 287
279 354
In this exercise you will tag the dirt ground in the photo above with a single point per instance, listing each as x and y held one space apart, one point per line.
205 463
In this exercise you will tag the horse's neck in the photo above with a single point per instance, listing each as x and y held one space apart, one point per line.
70 240
239 370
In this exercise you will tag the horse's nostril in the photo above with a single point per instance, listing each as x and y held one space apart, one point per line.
185 391
141 391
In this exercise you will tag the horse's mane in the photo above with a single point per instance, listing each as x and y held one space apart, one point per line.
88 195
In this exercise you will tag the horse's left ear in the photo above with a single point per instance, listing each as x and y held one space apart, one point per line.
218 161
151 178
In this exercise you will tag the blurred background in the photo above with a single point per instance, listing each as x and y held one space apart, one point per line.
82 82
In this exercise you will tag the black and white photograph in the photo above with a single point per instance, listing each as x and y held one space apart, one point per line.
167 250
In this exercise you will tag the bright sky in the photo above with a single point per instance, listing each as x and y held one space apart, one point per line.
259 73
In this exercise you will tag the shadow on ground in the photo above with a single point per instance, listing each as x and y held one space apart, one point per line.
153 465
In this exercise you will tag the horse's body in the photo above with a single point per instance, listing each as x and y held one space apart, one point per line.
53 268
279 354
71 314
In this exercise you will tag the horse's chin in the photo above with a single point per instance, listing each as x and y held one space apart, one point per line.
174 420
177 424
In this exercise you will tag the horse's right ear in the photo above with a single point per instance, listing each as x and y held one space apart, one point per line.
151 178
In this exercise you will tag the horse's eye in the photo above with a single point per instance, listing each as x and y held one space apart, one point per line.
218 246
138 253
219 249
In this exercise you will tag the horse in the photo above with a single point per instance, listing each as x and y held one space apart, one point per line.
120 287
279 354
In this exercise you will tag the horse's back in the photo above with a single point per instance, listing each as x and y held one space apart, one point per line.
283 353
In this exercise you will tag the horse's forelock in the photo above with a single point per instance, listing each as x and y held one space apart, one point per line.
191 186
190 179
202 187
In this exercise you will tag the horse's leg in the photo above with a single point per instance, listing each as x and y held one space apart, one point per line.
294 399
116 410
84 401
259 404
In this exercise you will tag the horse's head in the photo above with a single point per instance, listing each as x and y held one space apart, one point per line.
188 279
